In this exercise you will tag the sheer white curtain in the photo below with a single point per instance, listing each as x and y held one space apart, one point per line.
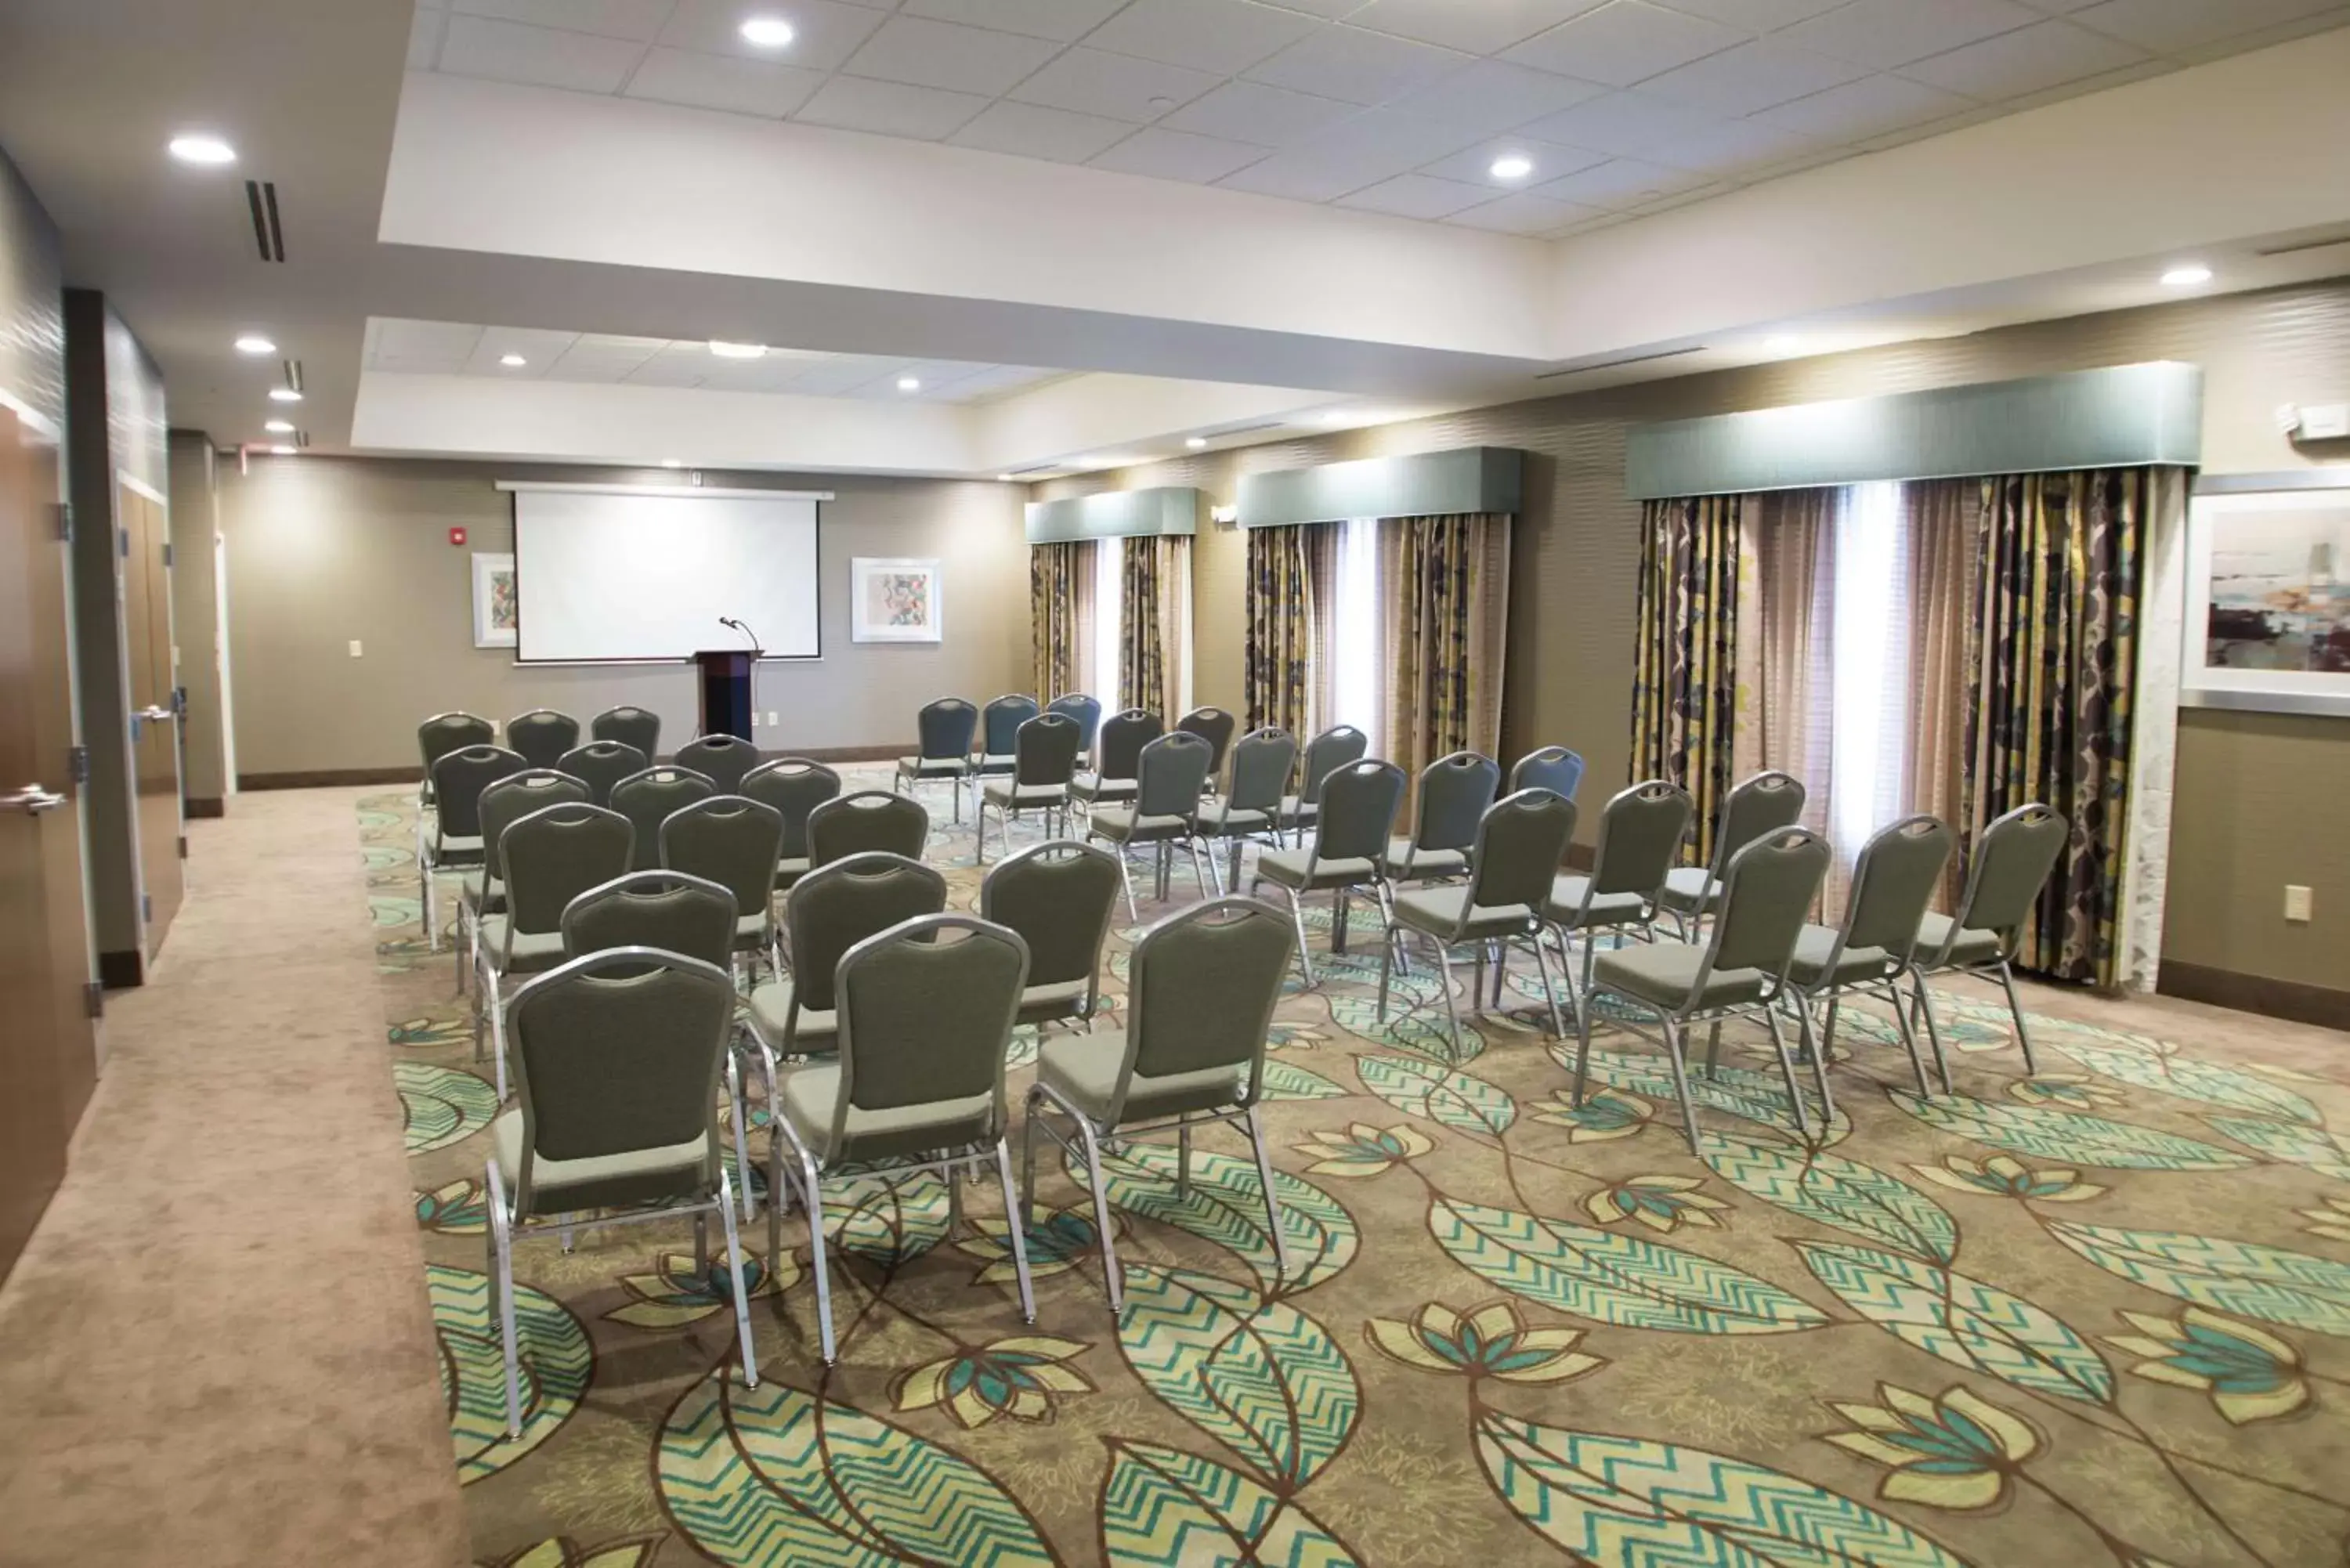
1098 641
1357 694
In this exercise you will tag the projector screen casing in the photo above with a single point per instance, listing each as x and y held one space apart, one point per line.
626 575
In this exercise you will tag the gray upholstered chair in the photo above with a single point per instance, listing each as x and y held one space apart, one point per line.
444 734
1250 804
1516 851
1086 711
926 1012
602 764
632 727
1355 813
1201 994
1216 726
1110 781
2011 865
1641 834
1767 802
944 730
646 798
542 735
616 1120
836 905
795 787
1169 778
1892 884
738 843
1741 967
1044 759
1554 768
997 750
453 840
866 820
1326 753
720 759
1454 792
549 858
1060 896
505 803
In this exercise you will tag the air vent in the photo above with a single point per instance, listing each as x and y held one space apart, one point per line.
261 197
1245 430
294 374
2295 249
1619 364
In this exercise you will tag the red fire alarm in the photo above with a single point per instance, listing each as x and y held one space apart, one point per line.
456 535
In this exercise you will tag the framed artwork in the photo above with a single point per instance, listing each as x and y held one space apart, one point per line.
2268 592
495 612
894 599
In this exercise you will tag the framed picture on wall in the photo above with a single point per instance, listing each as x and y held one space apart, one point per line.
2268 592
494 619
894 599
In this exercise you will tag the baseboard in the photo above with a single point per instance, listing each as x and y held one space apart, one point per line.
328 778
2255 994
848 754
1582 856
207 805
120 971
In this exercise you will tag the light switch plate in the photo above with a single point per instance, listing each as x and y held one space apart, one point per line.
771 719
355 647
2298 905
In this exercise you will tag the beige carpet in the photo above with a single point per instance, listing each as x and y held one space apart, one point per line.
217 1348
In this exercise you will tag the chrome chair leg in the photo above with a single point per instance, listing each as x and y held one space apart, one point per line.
734 1270
1272 1197
1111 1275
1015 1231
1788 1063
2015 1007
1680 1079
1933 1031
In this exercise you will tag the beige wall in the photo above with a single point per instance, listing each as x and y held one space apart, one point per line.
196 614
322 550
2252 792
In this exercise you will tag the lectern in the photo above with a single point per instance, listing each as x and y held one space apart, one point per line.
726 690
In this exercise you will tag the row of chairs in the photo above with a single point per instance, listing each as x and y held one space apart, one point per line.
542 735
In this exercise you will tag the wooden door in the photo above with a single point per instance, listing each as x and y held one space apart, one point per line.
154 708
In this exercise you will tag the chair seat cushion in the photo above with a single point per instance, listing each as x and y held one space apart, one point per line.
809 1095
1566 895
1296 813
995 762
1003 792
457 849
933 767
1973 946
1689 890
1083 1069
1058 999
1121 823
1287 867
532 951
1404 861
751 930
1217 820
1440 912
770 1006
1664 975
1093 787
790 871
479 895
1809 968
603 1180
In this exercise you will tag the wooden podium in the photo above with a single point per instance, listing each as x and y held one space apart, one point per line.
726 690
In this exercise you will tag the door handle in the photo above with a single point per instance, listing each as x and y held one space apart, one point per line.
155 714
32 800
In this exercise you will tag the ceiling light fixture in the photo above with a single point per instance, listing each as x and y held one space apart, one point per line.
2186 276
282 450
1195 443
1003 479
767 32
279 426
255 343
284 395
672 463
738 351
1781 343
512 361
1334 417
910 383
207 152
1512 166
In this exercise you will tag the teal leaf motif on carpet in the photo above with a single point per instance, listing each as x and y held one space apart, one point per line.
1439 1093
1288 1081
2270 1283
555 1367
1738 1091
889 1218
2147 1064
441 1105
1614 1278
1630 1501
2328 1154
1161 1508
1226 1206
1416 1029
2067 1136
1836 1191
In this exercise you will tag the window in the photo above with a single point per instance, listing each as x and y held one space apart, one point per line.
1357 696
1109 622
1870 664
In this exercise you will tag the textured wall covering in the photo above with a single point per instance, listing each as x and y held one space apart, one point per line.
32 320
1577 544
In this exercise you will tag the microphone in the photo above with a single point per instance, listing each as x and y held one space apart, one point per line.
749 636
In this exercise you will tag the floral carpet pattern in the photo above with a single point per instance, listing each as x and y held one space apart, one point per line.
2098 1316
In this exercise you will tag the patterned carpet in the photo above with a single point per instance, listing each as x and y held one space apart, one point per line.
2096 1316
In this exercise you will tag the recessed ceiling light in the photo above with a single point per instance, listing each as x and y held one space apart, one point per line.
255 343
767 32
910 383
1334 417
208 150
1781 343
279 426
1512 166
1004 478
1195 443
2186 276
282 450
737 350
284 395
512 361
672 463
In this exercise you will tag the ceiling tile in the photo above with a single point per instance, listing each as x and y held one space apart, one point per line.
1032 131
1484 29
1873 106
1625 42
722 81
400 337
1474 165
1094 81
1525 214
891 109
2169 27
1732 148
1219 35
1628 124
1304 176
540 351
1750 76
1065 21
424 38
1328 10
1360 151
1620 183
1179 155
1882 34
948 55
2042 56
1494 95
1756 15
638 20
1418 196
826 32
542 56
1251 112
1359 66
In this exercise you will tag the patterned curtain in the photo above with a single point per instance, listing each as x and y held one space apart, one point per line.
1057 578
1284 614
2052 653
1940 524
1686 665
1154 668
1785 713
1447 584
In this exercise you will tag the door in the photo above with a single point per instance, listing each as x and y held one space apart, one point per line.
154 708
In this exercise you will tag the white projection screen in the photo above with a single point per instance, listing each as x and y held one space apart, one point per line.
607 574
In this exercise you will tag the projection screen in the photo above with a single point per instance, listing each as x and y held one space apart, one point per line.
608 574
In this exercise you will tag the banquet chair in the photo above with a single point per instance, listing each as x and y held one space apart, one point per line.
505 803
1086 711
1357 812
1169 778
2011 865
647 799
549 858
835 907
1060 895
444 734
736 843
630 726
1454 792
1554 768
602 764
1767 802
1044 761
542 735
1116 757
1215 726
944 729
999 738
1641 834
795 787
1326 753
453 841
866 820
1249 806
720 759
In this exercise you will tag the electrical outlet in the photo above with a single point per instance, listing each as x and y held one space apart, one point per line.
2297 905
355 647
771 719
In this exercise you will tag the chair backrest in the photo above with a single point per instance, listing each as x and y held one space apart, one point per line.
1044 749
1767 802
835 907
509 799
1123 736
647 799
542 735
1060 895
1215 726
632 727
945 727
556 854
795 787
1333 749
602 764
1893 884
926 1014
2011 863
1641 834
666 910
1554 768
1086 711
731 840
1766 892
458 780
1454 792
1263 761
446 733
1521 843
720 759
1202 992
1000 722
1360 802
1170 773
866 821
619 1050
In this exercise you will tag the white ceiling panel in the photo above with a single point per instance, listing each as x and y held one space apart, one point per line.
1251 112
636 20
923 53
1526 214
1882 34
1474 164
1624 42
1222 36
1628 124
1735 148
2170 27
1484 29
424 38
1874 106
1494 95
1357 65
2030 59
540 56
404 340
1064 21
723 82
1165 154
1619 184
1032 131
891 109
1750 76
824 32
1095 81
1756 15
1418 196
